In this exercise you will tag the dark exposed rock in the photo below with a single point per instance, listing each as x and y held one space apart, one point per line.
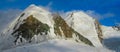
98 30
60 23
67 31
19 20
30 27
116 28
22 14
83 39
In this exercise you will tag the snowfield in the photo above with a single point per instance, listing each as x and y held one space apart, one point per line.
57 45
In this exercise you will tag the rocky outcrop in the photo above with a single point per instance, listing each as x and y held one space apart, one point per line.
116 28
98 30
59 25
30 27
62 29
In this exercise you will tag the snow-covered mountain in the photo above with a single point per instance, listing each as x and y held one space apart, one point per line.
37 25
85 25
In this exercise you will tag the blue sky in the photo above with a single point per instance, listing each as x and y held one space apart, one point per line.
106 11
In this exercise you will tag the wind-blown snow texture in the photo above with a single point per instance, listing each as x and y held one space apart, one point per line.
57 45
38 30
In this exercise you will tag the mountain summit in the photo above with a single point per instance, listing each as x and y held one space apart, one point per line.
86 25
37 25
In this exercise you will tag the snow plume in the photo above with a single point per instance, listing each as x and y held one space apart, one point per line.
99 16
65 14
91 13
47 6
7 16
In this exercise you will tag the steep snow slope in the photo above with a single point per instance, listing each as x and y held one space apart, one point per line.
32 15
57 45
85 25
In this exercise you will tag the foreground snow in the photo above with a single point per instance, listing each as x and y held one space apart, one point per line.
57 45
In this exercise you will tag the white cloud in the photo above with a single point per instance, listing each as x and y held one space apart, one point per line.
6 16
90 13
109 15
48 6
117 23
98 15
